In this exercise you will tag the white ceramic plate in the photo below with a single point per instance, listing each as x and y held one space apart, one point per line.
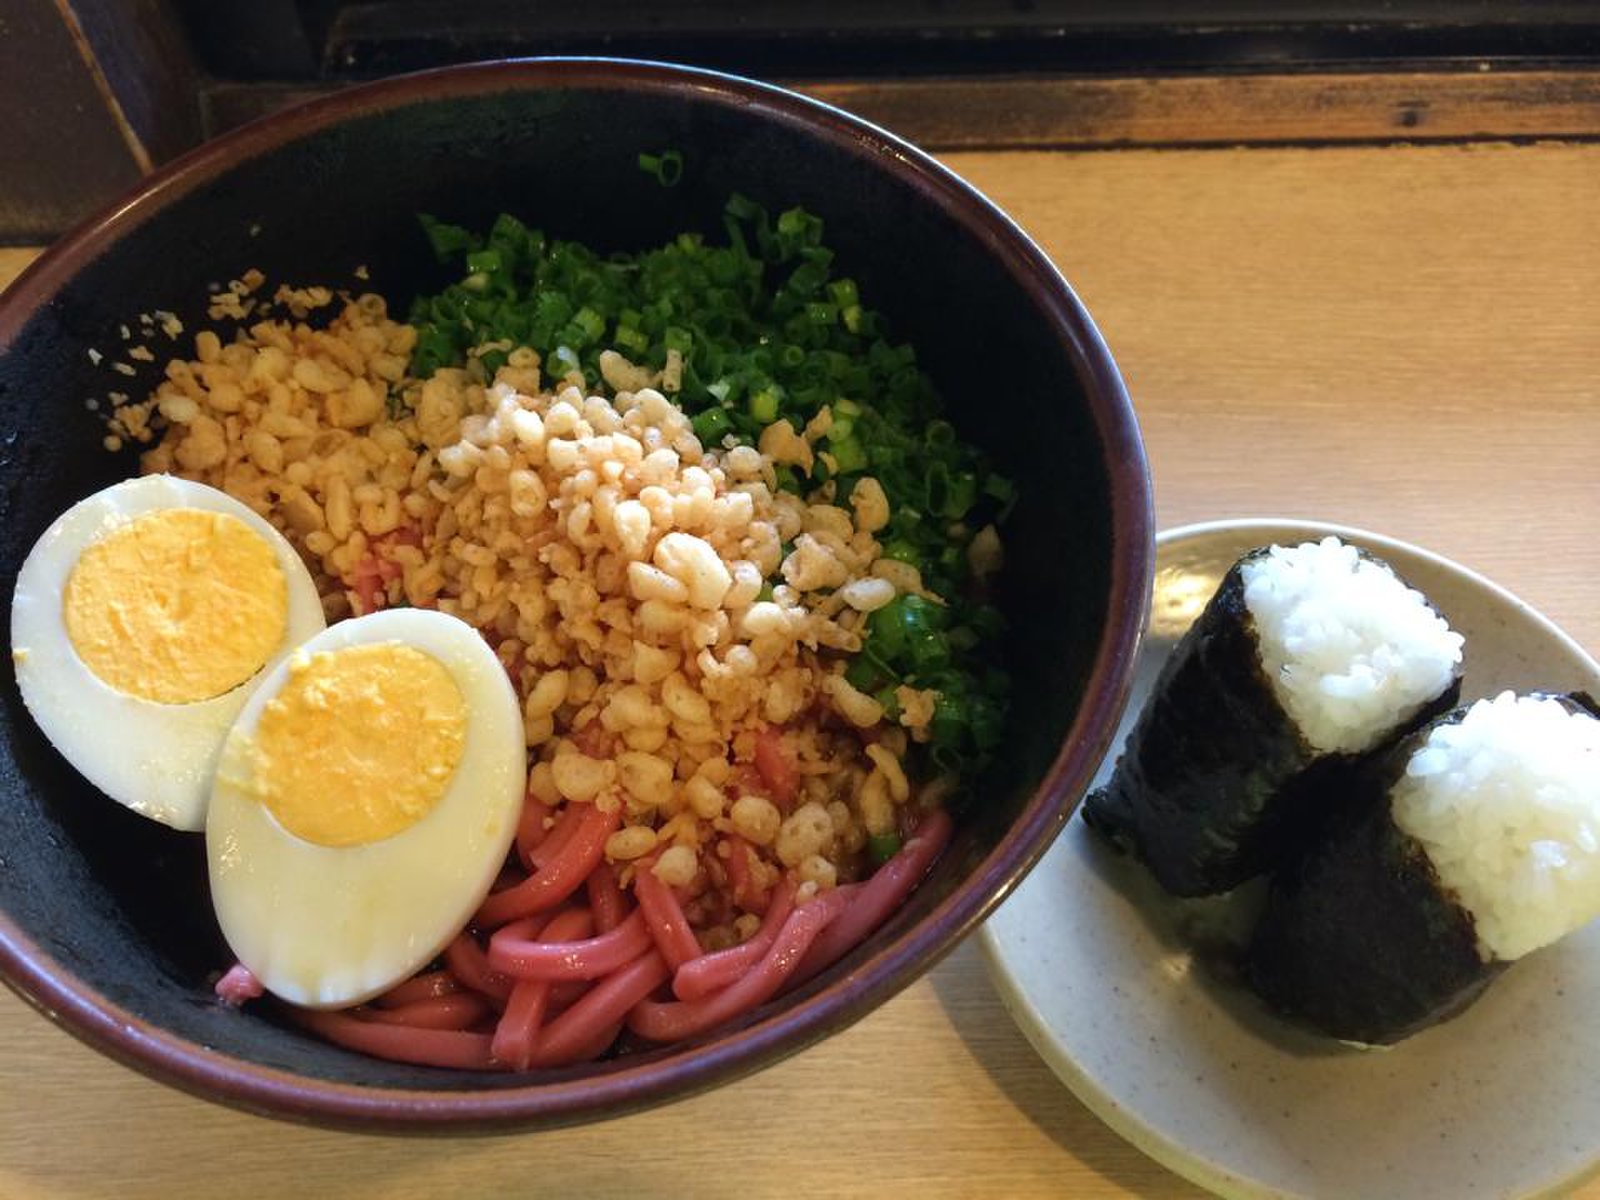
1096 966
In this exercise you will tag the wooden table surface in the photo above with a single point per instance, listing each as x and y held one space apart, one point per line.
1401 338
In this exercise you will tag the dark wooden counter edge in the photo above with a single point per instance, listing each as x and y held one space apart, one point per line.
1479 103
1191 110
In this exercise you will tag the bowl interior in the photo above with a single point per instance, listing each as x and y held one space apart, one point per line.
121 903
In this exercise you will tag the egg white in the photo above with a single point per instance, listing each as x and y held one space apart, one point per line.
155 758
326 926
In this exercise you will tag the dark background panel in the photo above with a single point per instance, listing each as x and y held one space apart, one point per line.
61 148
886 37
96 92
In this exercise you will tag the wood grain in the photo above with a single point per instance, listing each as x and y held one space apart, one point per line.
1399 338
1222 109
987 112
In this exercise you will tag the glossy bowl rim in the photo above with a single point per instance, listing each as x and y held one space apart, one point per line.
69 1001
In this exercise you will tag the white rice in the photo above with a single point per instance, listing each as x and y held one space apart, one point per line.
1507 805
1350 649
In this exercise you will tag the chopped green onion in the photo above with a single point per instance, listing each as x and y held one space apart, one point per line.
986 619
962 494
951 715
711 426
963 638
764 405
591 322
902 551
999 487
864 675
929 651
448 241
936 487
434 349
883 846
886 630
563 361
666 168
848 454
987 724
630 339
890 702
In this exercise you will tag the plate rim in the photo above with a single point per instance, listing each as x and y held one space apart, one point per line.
1025 1014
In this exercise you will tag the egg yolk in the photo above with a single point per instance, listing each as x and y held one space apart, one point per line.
359 744
177 606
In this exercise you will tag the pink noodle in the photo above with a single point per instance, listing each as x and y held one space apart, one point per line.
552 1016
664 915
419 987
237 985
669 1021
575 1034
516 1034
879 896
401 1043
459 1011
559 879
556 837
703 975
564 995
558 960
518 1028
469 964
531 831
599 1042
606 898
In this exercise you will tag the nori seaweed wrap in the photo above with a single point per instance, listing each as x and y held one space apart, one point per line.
1217 783
1360 939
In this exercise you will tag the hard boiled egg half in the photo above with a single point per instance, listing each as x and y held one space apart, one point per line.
364 803
142 621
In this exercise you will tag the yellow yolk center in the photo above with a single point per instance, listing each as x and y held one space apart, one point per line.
177 606
359 744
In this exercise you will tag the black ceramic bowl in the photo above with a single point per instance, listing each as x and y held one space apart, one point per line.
104 923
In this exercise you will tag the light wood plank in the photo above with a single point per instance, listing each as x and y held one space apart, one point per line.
991 112
1399 338
12 260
